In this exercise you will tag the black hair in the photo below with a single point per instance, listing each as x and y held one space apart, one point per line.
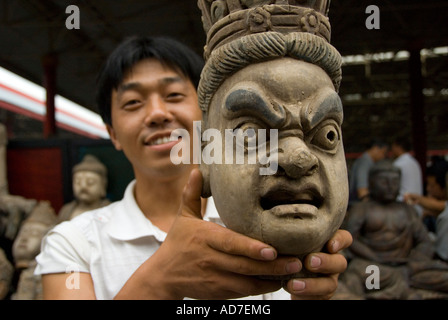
376 142
439 170
171 53
404 143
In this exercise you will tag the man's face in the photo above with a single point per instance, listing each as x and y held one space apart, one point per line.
395 150
379 153
148 106
88 187
299 207
434 189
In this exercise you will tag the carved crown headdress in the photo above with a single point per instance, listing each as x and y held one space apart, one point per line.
241 32
91 163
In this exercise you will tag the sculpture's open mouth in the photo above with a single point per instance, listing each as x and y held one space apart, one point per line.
290 203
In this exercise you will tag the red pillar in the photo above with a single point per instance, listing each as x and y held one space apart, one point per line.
49 63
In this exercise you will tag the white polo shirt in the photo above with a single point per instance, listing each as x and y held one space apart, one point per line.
110 243
411 175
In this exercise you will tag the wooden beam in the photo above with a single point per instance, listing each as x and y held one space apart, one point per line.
417 106
49 63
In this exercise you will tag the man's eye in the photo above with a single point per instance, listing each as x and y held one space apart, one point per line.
327 137
174 96
131 103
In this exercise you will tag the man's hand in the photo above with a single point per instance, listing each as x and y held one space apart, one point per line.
330 265
203 260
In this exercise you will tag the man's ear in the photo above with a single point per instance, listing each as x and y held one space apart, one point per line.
206 192
113 137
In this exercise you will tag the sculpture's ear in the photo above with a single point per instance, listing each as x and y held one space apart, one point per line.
206 192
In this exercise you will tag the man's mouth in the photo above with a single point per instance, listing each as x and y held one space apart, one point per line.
159 139
290 203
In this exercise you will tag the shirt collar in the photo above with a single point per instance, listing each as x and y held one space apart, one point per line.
128 222
211 214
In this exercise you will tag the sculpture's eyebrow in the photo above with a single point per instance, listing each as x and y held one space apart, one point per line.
328 107
242 101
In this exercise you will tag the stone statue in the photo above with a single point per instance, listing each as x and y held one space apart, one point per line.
389 235
89 188
271 78
27 246
6 275
13 210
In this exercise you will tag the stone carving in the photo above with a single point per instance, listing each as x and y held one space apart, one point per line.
89 188
6 275
27 246
228 20
269 66
13 210
389 235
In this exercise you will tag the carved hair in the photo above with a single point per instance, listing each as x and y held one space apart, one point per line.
231 57
92 164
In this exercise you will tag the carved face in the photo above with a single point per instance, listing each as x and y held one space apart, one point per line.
27 244
384 186
88 187
298 208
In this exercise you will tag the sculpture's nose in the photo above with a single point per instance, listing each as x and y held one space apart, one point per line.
295 158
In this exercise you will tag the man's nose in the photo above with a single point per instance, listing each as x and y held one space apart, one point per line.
157 112
295 158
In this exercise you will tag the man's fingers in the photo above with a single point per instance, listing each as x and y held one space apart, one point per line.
342 239
230 242
325 263
312 288
191 197
244 255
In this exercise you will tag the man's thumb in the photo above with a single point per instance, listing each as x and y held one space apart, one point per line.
191 196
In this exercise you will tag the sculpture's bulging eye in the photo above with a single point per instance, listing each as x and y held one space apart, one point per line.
247 135
327 137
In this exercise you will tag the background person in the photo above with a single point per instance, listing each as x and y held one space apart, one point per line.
359 174
411 173
434 202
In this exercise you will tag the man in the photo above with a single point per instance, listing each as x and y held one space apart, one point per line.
434 202
145 247
359 184
411 173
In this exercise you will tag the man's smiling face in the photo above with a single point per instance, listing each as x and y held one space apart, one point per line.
151 102
299 207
